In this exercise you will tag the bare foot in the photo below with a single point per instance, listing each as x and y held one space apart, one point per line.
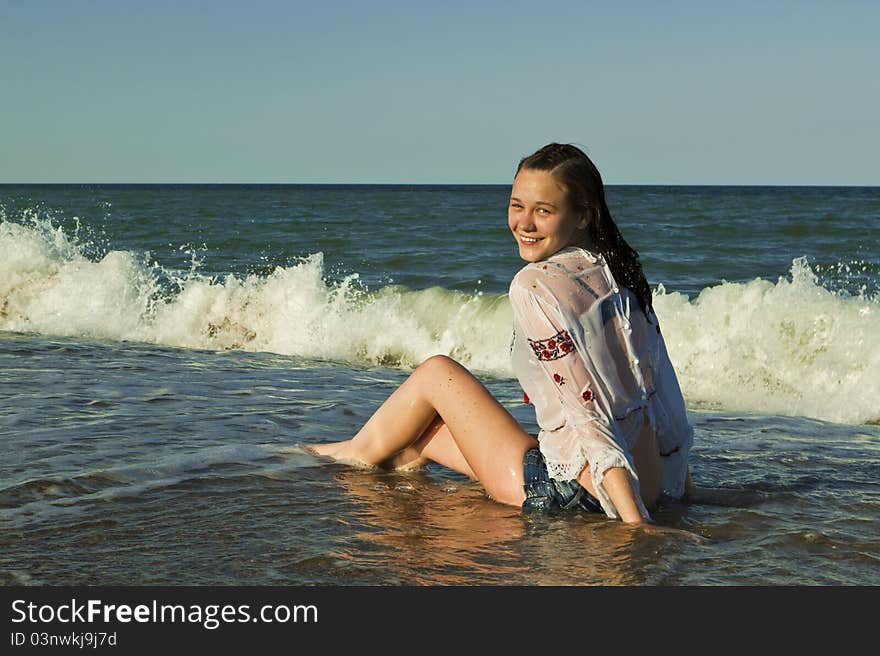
327 449
402 463
338 451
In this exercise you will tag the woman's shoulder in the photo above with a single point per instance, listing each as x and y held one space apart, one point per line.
557 270
532 272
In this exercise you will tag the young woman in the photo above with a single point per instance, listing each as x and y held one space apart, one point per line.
588 352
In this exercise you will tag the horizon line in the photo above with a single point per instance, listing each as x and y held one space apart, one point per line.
436 184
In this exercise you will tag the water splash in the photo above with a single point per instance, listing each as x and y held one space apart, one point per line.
794 347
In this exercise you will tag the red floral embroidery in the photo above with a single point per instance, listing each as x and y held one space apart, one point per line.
525 398
554 347
559 379
587 395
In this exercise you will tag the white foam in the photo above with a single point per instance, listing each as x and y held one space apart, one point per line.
48 286
791 347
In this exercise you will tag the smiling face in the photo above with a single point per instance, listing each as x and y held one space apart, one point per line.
540 216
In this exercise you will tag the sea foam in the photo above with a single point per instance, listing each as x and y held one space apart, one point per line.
789 347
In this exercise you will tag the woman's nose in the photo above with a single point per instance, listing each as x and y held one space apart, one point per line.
526 220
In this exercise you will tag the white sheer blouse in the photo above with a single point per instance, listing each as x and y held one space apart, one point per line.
597 372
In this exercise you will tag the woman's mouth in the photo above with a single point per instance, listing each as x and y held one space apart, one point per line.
528 241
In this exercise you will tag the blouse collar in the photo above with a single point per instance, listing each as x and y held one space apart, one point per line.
593 257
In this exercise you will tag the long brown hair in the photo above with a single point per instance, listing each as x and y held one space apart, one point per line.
571 168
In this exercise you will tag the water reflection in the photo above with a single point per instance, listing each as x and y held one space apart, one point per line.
426 531
417 529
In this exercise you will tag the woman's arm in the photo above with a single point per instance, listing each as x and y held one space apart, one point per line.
618 484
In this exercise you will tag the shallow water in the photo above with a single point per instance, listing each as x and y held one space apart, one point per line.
163 349
137 463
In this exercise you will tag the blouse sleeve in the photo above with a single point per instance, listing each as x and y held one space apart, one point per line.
564 376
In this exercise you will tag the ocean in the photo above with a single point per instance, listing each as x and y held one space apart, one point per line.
165 350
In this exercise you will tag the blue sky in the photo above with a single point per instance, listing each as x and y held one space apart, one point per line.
428 92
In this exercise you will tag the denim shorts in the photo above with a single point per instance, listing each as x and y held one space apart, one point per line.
548 495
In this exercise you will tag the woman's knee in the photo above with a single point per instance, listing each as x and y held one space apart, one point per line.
439 365
438 360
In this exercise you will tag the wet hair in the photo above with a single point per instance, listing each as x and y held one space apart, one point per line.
572 169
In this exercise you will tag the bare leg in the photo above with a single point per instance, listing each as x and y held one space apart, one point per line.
435 445
489 440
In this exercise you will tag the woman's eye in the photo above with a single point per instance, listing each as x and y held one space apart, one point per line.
543 210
